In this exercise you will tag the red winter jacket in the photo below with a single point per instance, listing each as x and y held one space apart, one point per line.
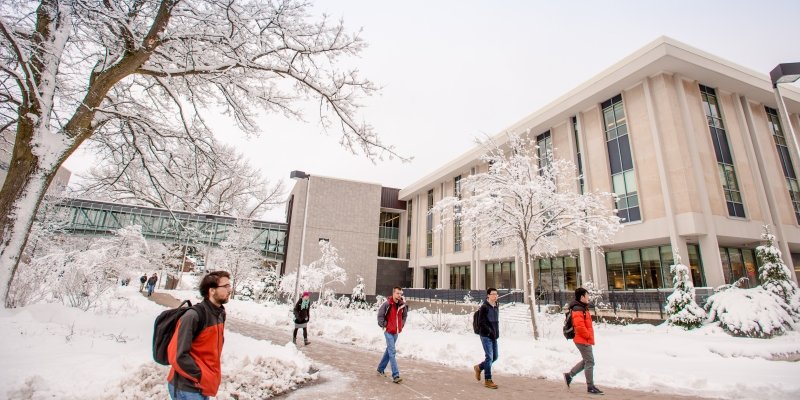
195 361
582 322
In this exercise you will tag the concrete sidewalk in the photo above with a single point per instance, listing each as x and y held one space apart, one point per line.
348 372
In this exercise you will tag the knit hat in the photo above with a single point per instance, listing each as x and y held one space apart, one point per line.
306 294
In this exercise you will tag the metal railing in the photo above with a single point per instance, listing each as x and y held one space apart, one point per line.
636 301
457 295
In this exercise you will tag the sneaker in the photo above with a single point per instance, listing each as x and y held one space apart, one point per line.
567 379
381 373
477 369
489 384
594 390
397 380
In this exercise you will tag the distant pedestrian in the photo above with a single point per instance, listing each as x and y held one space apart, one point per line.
142 281
489 331
584 340
301 317
151 284
391 317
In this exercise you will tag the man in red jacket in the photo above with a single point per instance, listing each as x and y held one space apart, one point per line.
584 340
391 317
196 347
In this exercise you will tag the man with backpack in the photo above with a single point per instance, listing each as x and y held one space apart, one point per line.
488 319
584 339
142 281
151 284
391 317
195 349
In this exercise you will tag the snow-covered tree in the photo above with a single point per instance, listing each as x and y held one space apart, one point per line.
682 308
140 77
776 277
320 273
754 312
236 255
529 202
224 185
359 296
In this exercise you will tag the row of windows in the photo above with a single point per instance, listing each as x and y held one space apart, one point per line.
388 234
786 161
648 268
557 274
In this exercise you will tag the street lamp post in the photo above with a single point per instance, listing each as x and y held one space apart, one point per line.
297 175
786 73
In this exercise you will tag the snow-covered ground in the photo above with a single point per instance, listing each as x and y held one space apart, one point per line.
703 362
52 351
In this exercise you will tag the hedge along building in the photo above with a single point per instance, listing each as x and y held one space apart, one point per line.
692 145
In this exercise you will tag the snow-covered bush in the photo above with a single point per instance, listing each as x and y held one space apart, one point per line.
755 312
437 321
775 276
314 277
682 308
359 297
379 300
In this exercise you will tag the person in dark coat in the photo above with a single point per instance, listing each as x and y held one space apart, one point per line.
142 280
489 326
151 284
301 317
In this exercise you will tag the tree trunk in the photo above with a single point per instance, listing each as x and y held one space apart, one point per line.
528 267
20 196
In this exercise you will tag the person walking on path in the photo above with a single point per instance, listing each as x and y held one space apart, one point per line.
195 369
301 317
142 281
391 317
489 332
151 284
584 340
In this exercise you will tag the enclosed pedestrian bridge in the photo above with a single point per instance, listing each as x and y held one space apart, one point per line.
90 217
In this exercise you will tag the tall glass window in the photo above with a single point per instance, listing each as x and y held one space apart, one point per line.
501 275
558 274
430 278
786 160
544 150
578 153
388 234
429 226
739 263
620 160
648 268
722 150
410 212
457 219
459 277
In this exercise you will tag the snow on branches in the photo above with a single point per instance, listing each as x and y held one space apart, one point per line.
530 202
776 277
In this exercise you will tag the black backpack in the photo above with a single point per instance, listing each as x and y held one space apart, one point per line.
569 330
475 323
164 329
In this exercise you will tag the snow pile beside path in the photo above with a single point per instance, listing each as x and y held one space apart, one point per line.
664 359
749 312
54 351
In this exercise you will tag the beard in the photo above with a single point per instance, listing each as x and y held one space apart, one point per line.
221 299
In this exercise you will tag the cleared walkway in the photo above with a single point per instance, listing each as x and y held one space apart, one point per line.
348 372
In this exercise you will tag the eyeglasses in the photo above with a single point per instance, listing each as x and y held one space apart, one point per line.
228 286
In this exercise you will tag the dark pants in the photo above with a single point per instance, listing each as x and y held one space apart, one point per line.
586 364
490 350
305 334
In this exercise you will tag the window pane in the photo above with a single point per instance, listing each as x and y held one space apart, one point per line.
633 272
558 273
666 262
750 266
726 265
737 265
614 160
571 280
651 267
614 270
625 152
630 181
619 184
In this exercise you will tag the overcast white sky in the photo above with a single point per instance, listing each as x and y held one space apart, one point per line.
452 71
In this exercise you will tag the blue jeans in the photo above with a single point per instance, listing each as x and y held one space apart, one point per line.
389 354
181 395
150 289
490 349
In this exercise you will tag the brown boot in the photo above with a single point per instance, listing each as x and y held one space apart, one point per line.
477 369
489 384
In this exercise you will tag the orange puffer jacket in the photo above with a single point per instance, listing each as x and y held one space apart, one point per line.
582 321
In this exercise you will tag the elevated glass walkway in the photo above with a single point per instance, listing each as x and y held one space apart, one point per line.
102 218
